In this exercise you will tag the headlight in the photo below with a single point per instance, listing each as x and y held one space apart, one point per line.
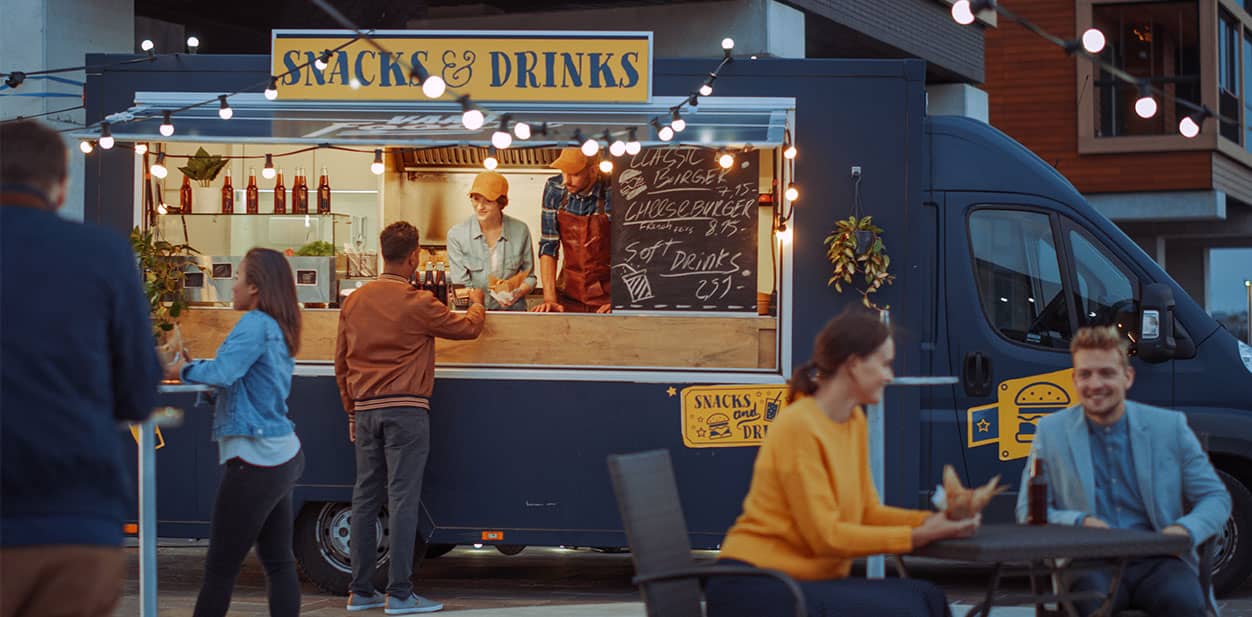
1245 354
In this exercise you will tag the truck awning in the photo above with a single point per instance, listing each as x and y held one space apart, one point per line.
716 122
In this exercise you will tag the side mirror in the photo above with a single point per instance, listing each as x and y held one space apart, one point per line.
1156 323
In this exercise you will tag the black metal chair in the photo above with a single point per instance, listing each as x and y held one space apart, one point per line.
669 579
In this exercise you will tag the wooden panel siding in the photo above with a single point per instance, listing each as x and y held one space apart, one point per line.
1032 92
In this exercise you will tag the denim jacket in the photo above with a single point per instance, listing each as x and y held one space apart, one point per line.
252 372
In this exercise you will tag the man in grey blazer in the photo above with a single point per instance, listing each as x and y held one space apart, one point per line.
1110 462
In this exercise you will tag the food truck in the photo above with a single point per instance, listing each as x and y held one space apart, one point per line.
721 274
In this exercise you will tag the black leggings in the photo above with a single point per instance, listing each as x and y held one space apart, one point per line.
253 506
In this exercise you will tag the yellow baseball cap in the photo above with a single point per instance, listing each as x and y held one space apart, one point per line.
571 161
490 184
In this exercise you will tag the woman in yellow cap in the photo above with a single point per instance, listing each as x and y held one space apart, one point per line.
492 251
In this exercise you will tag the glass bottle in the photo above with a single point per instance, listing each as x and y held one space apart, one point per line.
228 195
1037 498
323 193
280 195
300 194
184 195
252 197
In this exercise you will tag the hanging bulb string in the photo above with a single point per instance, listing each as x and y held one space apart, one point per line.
46 113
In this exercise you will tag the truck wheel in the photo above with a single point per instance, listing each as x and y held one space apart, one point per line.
434 551
322 547
510 549
1232 561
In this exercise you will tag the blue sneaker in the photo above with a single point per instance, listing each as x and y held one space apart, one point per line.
362 603
411 605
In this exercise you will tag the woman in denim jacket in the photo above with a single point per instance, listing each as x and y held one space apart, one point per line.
257 444
490 250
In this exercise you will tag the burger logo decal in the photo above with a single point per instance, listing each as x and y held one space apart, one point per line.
1011 421
719 426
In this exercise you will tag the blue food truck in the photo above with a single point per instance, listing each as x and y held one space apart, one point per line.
996 259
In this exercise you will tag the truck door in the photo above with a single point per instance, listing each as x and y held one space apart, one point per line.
1021 277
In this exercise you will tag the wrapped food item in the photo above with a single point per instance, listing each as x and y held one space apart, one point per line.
507 284
962 503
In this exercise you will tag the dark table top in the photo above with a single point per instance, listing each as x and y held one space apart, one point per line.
1004 543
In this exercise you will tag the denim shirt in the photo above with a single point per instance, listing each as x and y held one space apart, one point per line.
252 372
470 261
1118 500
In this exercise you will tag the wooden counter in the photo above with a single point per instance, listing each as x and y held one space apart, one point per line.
552 339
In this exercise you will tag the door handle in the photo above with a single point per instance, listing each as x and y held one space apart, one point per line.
976 374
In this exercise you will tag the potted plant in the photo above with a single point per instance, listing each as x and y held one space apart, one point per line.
856 250
163 267
203 169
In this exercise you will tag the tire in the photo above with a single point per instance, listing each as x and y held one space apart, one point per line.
510 549
321 544
435 551
1232 561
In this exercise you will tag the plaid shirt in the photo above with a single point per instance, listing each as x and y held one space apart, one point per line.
553 195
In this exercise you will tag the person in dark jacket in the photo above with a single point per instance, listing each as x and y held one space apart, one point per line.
77 356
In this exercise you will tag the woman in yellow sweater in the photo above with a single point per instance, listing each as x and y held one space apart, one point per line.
812 507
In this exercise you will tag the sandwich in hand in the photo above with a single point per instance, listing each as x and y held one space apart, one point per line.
508 284
962 503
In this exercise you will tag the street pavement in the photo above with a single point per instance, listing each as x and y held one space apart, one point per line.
540 582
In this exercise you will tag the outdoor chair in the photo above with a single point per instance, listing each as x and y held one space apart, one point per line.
670 581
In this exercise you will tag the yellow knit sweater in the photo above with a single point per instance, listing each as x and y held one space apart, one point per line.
812 507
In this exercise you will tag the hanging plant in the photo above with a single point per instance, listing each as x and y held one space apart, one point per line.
204 167
162 265
856 250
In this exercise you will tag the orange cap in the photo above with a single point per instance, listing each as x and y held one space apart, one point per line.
571 161
490 184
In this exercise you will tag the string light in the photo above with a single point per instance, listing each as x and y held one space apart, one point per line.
471 117
1093 41
322 61
224 109
167 124
141 148
591 147
618 148
783 233
633 146
677 121
1145 107
664 133
147 45
963 11
606 166
106 136
193 43
706 89
268 172
490 162
85 146
162 208
522 130
792 193
728 45
377 166
434 87
158 169
1190 126
725 159
271 91
501 138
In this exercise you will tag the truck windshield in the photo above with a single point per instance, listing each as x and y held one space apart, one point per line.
1019 279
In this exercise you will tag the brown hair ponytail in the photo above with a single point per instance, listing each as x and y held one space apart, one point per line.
853 333
270 271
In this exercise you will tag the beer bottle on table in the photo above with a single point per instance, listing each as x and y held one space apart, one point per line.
184 195
300 194
1037 498
253 196
228 195
280 195
323 194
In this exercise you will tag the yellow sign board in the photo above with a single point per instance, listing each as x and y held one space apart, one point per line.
605 67
729 416
1010 422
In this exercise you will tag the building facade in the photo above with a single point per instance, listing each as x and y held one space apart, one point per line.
1187 202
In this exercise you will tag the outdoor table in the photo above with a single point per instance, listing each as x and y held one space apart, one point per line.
147 498
1056 549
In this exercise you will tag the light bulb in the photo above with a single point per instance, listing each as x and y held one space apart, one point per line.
679 125
147 45
726 159
106 142
473 119
224 109
501 139
162 208
591 147
522 130
1093 41
665 134
1145 107
618 148
158 169
141 149
85 146
792 193
789 152
962 13
268 172
193 42
490 162
434 87
633 147
167 125
606 166
1188 127
271 91
354 83
783 234
322 61
728 44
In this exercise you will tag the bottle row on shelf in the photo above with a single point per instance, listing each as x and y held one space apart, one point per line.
252 195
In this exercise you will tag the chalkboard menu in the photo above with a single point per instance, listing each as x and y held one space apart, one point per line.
685 231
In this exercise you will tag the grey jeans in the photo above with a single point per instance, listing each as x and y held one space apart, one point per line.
391 450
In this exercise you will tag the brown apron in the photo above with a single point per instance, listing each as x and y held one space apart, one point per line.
584 279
